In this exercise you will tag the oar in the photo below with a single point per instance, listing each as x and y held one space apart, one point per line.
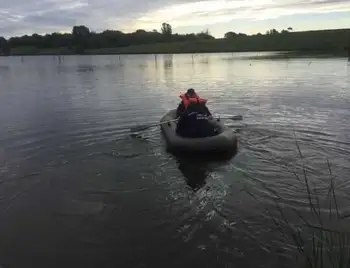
232 117
144 127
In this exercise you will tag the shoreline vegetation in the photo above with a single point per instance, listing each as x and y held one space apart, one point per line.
318 231
85 42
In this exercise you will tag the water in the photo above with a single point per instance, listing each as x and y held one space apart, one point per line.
77 190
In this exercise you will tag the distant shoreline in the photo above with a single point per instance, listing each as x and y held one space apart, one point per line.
135 51
278 53
331 42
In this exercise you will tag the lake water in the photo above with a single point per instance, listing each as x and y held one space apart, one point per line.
77 190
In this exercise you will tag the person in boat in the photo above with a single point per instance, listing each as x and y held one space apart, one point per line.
194 117
190 94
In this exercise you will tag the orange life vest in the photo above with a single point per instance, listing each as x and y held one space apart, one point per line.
194 99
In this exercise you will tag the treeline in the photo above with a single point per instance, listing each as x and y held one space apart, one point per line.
324 41
83 41
320 40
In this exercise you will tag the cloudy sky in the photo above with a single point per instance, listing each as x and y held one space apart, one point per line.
18 17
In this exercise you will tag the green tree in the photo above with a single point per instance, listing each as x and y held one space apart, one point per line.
166 29
81 35
230 35
205 35
272 32
4 47
80 31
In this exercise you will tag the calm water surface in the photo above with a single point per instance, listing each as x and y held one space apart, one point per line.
77 190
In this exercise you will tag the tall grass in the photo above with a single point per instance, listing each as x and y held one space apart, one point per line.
318 235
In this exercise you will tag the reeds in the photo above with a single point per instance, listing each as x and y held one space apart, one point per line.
319 235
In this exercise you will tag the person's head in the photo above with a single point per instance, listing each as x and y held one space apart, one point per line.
190 92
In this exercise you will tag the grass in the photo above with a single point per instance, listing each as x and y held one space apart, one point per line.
318 244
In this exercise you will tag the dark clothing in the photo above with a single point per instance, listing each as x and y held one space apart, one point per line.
181 109
194 122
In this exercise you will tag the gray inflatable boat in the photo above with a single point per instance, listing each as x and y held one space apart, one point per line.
224 142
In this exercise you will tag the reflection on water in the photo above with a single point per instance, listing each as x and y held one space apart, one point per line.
75 185
196 168
194 173
168 61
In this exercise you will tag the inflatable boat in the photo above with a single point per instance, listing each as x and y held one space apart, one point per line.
224 142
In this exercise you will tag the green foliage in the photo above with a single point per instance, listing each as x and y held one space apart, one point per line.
4 47
272 32
205 35
82 40
166 30
230 35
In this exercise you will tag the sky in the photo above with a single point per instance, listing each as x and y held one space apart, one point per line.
19 17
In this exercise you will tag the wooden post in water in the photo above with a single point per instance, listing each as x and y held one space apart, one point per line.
119 60
155 61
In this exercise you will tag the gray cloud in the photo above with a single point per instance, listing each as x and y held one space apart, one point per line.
19 17
52 18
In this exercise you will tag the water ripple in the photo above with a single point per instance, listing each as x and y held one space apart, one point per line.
69 165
